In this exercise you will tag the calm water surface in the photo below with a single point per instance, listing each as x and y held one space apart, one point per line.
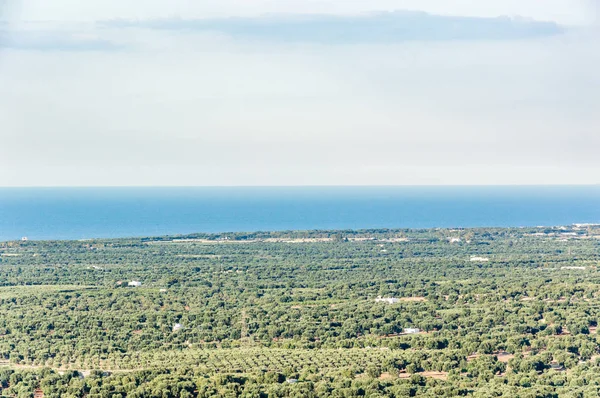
79 213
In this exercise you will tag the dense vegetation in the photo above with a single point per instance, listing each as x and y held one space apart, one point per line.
500 312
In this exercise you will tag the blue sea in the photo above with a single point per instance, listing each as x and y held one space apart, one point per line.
83 213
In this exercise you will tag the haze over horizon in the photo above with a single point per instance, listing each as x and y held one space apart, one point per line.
238 93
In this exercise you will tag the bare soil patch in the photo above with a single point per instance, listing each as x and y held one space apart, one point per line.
433 375
504 357
386 376
413 299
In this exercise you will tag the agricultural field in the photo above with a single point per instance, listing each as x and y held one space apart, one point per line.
377 313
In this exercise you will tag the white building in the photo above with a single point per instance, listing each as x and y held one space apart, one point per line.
163 290
479 259
24 239
134 284
412 330
389 300
177 326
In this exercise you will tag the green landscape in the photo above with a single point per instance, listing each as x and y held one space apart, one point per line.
485 312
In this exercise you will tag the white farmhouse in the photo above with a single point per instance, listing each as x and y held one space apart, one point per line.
412 330
134 284
389 300
177 326
479 259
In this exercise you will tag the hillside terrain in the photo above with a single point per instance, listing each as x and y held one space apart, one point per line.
375 313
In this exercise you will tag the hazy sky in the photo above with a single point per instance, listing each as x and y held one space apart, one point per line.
297 92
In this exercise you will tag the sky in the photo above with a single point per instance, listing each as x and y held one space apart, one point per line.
299 92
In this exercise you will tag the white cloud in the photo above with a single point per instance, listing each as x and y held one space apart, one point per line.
397 26
197 108
563 11
392 27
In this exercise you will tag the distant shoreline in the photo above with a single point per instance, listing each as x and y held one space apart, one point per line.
103 213
380 235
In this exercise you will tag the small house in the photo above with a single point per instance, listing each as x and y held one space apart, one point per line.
134 284
556 366
412 330
177 326
389 300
